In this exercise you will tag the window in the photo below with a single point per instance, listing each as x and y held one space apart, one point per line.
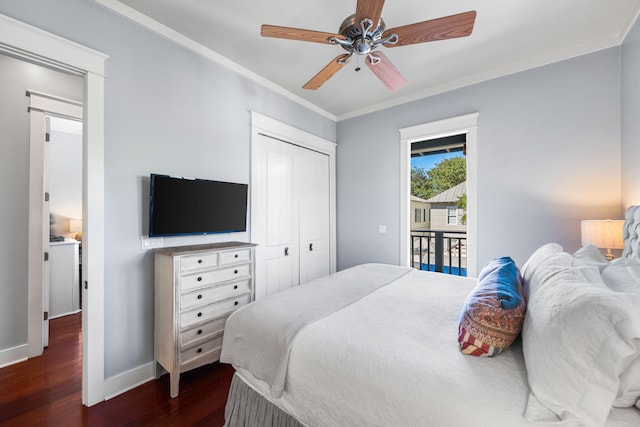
418 215
452 215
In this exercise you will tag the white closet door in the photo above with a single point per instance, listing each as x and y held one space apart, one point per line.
278 257
314 208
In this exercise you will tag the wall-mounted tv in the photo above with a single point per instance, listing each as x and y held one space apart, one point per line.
186 206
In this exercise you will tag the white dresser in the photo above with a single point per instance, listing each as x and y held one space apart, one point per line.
64 282
196 289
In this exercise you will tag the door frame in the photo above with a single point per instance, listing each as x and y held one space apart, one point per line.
467 124
263 125
32 44
40 106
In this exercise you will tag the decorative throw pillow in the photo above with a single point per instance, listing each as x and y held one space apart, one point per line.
493 313
581 344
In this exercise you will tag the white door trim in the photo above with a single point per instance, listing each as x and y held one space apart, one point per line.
456 125
39 106
34 45
264 125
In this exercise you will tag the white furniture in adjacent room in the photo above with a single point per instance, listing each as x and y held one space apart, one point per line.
64 282
196 288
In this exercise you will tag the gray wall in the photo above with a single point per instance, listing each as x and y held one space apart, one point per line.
16 77
631 117
167 110
548 156
65 180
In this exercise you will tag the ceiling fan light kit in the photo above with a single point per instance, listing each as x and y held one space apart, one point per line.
360 36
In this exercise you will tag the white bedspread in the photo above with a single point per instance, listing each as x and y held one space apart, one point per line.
392 359
263 347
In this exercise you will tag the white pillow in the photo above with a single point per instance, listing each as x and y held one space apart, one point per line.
581 344
622 275
545 255
539 257
591 255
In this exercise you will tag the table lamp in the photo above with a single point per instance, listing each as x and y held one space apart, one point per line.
605 234
75 226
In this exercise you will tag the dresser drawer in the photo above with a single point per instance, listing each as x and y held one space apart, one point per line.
200 351
205 296
198 262
205 278
232 257
190 337
211 311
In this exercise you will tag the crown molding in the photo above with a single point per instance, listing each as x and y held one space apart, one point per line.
155 26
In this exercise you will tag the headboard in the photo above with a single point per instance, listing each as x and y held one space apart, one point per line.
631 233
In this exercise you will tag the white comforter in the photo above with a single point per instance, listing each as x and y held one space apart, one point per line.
392 359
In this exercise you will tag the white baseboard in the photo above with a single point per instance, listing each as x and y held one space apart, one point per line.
128 380
14 355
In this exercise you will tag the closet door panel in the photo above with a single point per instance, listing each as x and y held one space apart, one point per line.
279 252
313 176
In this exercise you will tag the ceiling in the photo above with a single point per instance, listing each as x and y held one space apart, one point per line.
508 36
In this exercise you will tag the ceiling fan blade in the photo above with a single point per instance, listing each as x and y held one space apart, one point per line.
327 72
371 9
386 71
448 27
297 34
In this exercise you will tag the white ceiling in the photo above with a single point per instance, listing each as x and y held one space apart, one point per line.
508 36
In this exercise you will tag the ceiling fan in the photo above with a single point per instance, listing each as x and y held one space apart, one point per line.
364 31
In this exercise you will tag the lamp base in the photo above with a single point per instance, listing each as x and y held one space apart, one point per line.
609 255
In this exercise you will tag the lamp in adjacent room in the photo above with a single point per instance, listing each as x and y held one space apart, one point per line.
75 226
605 234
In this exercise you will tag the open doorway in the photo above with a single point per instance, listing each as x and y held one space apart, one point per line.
438 193
64 174
467 125
32 45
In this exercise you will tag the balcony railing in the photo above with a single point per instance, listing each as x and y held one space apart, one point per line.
441 251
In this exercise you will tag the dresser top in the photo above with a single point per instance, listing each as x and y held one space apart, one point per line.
177 250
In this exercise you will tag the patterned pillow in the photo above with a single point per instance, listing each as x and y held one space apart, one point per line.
493 313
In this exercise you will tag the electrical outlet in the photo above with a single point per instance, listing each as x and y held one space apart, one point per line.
151 242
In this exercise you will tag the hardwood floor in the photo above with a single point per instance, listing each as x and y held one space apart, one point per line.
46 391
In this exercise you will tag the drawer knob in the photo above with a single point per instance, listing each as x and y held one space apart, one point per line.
199 261
235 303
235 271
200 296
235 286
199 279
199 331
199 314
199 350
235 256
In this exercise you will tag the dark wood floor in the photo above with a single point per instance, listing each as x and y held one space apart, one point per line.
46 391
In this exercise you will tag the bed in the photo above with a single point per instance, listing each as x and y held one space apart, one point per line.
376 345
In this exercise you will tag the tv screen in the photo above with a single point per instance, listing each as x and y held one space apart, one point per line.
186 206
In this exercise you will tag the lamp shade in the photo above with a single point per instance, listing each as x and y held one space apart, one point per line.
605 234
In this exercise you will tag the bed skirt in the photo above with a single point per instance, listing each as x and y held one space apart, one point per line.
247 408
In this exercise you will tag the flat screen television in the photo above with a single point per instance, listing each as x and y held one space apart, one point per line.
186 206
